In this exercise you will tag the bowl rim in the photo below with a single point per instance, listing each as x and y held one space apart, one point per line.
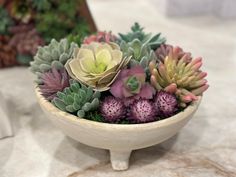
150 125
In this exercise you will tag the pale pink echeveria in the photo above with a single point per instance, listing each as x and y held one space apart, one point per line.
130 85
101 36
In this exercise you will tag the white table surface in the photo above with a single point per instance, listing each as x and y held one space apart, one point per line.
206 147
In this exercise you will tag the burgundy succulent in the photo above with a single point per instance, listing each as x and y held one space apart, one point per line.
130 85
142 111
165 49
165 104
112 109
53 81
101 36
25 39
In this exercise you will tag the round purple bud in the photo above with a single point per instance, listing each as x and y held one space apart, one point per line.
165 104
142 111
112 109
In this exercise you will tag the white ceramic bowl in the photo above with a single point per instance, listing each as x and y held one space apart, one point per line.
119 139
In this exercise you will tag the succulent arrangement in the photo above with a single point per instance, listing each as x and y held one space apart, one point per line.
32 23
127 79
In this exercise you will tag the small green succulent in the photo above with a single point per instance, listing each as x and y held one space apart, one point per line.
59 18
141 53
55 55
77 99
145 38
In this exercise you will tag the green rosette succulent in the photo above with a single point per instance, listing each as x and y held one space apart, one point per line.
137 33
140 53
77 99
54 55
96 64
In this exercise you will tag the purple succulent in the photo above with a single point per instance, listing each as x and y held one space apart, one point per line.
142 111
165 104
130 85
112 109
53 81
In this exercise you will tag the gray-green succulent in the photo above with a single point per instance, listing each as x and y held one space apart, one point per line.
154 41
141 53
77 99
54 55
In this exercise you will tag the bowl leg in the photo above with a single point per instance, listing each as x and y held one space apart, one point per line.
120 159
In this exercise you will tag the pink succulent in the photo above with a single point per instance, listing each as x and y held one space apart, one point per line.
101 36
130 85
53 81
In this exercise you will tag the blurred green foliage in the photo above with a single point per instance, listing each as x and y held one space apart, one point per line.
5 21
60 18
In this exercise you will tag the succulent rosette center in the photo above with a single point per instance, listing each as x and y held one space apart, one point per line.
96 64
131 83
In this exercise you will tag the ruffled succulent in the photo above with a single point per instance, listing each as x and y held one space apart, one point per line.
101 36
131 85
165 104
54 55
97 64
142 111
138 33
112 109
54 81
141 53
77 99
179 76
163 51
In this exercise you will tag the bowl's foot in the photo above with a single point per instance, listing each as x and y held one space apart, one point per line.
120 159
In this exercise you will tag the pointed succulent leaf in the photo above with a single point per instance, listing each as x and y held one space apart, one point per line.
58 65
96 94
95 103
59 103
44 67
76 106
70 108
86 107
81 113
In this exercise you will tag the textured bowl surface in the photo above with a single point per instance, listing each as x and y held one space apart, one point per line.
116 137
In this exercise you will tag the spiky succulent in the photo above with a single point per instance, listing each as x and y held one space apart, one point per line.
112 109
53 81
165 104
142 111
77 99
163 51
55 55
138 33
141 53
179 76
